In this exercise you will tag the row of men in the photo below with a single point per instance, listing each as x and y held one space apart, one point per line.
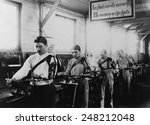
41 65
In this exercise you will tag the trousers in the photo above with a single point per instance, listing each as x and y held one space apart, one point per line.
43 96
82 94
125 80
107 82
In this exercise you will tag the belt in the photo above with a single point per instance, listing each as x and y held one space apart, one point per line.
41 86
41 82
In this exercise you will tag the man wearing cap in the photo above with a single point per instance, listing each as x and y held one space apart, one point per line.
123 63
106 66
78 65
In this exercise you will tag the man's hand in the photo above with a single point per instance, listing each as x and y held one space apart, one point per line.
9 81
60 73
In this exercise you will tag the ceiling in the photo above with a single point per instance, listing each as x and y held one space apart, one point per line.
140 23
79 6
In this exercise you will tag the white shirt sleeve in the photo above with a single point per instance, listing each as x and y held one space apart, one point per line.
21 73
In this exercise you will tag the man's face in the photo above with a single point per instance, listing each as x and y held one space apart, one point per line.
75 53
103 56
120 55
40 48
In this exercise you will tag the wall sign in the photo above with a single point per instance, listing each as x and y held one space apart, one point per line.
111 9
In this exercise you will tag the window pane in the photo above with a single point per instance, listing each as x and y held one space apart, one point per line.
9 26
64 34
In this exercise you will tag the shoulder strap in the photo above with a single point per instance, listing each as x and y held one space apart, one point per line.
49 56
58 64
30 72
100 64
52 67
75 63
85 63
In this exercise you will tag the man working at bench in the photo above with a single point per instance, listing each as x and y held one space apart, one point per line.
43 66
78 66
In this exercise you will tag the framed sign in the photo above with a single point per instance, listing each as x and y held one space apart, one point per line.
111 9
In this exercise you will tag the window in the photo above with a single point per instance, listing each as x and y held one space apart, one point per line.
9 26
64 33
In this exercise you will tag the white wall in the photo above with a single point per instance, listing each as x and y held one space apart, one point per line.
98 38
100 35
79 33
29 24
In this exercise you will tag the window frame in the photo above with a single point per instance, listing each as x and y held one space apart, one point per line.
18 5
74 35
